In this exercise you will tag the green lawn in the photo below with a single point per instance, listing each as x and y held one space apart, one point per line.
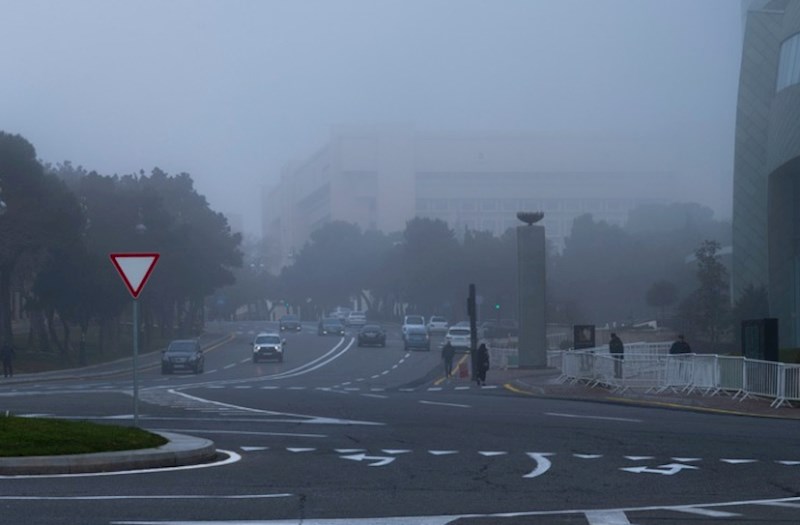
21 436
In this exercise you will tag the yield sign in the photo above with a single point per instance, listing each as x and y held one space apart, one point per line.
134 268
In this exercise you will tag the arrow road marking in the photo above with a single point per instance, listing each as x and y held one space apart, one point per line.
380 461
542 464
667 470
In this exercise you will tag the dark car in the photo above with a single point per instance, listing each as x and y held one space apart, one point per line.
371 334
290 322
330 325
183 354
417 338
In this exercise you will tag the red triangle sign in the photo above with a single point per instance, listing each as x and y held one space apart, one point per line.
135 269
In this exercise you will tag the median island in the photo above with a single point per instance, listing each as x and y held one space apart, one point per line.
22 437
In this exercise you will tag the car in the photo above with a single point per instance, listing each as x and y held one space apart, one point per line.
330 325
268 345
371 334
459 337
437 324
290 322
417 338
356 319
183 354
410 321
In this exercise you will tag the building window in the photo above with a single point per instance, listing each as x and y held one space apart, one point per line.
789 62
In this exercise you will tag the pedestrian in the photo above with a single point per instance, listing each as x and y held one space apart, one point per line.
482 363
680 346
616 349
7 355
447 356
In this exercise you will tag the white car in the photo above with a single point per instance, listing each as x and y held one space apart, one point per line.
459 337
416 321
267 345
437 324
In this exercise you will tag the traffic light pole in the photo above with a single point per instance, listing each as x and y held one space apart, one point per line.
473 330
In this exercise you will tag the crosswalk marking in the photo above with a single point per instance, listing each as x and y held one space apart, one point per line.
607 517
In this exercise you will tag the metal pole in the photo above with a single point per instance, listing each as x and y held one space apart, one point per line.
135 363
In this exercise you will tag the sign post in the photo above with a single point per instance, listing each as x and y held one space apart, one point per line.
135 269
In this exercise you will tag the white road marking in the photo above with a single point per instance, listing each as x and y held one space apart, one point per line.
686 460
248 433
789 463
444 404
395 451
296 388
233 457
348 450
347 383
782 504
379 461
377 389
442 452
491 453
243 387
254 449
435 389
666 470
376 396
639 458
463 387
542 464
394 366
376 376
738 461
318 365
603 418
489 387
226 367
384 372
607 517
245 361
353 389
588 456
270 387
407 389
301 449
706 512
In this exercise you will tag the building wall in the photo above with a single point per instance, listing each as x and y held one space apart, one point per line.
767 168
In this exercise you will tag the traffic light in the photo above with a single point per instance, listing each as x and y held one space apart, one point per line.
496 306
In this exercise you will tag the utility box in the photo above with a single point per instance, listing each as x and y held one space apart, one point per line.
760 339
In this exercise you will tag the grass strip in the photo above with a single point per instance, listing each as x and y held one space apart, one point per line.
21 436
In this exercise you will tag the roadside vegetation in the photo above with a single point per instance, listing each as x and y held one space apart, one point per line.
21 436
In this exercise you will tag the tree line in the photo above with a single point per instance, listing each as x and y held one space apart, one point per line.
58 228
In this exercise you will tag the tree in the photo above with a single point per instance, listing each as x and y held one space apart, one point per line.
662 294
707 309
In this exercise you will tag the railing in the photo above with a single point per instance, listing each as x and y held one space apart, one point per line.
649 366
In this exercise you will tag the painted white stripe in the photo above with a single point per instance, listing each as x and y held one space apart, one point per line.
444 404
706 512
248 433
435 389
639 458
789 463
394 367
243 387
254 449
244 361
782 504
489 387
347 383
270 387
407 389
319 365
463 387
353 389
491 453
603 418
442 452
226 367
686 460
296 388
301 449
349 450
377 389
395 451
384 372
738 461
376 376
588 456
375 396
607 517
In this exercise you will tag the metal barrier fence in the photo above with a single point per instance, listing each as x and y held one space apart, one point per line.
650 366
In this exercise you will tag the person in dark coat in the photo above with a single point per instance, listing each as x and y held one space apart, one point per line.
447 356
482 363
680 346
617 350
7 355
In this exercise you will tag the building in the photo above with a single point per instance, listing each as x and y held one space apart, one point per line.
766 192
382 178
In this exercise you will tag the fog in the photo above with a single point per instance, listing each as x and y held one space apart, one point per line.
231 91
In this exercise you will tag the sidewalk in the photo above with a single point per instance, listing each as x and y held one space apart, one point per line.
543 383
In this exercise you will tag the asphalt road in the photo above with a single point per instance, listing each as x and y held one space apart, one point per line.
364 435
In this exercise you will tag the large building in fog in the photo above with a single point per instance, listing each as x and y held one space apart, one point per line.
766 193
381 178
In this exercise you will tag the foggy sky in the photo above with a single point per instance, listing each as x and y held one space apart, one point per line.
230 91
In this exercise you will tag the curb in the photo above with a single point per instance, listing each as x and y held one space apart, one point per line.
180 450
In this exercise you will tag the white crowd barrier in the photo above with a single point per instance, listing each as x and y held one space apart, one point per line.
649 366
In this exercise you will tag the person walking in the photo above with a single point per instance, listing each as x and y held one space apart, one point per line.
7 355
482 363
447 356
680 346
616 349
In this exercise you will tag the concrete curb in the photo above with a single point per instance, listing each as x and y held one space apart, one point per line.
180 450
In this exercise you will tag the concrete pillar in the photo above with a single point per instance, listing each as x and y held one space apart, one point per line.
531 285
